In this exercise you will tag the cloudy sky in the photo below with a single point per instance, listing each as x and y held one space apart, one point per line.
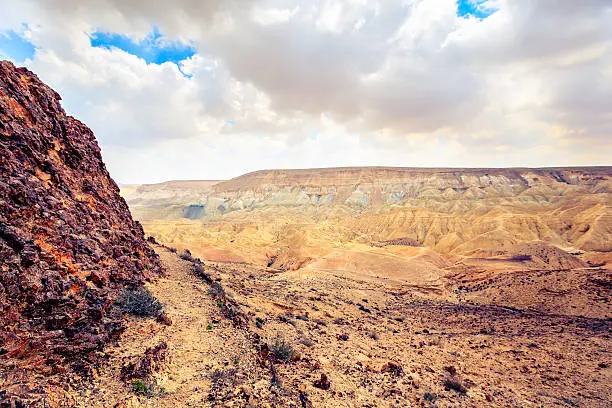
211 89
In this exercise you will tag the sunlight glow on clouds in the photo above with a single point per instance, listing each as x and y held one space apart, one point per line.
212 89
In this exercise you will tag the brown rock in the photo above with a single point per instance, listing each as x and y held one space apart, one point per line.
142 367
68 243
394 369
451 370
164 319
322 383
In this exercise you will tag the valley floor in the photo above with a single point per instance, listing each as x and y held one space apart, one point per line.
355 344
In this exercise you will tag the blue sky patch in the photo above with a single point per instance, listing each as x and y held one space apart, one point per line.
15 46
313 134
154 48
474 8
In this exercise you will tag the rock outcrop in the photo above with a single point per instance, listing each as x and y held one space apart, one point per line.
68 243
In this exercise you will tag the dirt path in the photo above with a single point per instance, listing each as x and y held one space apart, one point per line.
202 346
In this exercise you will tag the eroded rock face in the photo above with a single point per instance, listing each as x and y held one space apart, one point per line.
68 243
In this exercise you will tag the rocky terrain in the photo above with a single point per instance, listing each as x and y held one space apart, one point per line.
398 287
245 336
68 243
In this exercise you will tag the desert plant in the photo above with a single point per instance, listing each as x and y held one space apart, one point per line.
198 270
138 386
186 256
216 291
147 389
455 383
281 349
138 302
430 397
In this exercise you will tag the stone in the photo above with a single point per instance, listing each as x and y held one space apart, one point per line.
322 383
62 221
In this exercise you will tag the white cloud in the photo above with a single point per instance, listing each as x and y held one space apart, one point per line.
378 82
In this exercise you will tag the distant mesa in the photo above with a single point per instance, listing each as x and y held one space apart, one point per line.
452 210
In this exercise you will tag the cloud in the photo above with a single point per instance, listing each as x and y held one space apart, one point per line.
216 88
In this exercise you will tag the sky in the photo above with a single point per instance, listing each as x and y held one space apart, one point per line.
211 89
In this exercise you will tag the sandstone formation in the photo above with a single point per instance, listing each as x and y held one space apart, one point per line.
287 219
68 243
364 188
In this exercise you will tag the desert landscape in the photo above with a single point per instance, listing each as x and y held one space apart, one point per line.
393 281
289 204
355 287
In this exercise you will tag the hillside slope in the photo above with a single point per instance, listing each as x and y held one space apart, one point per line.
289 219
244 336
68 243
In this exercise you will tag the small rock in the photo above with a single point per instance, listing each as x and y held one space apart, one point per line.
323 383
392 368
343 337
164 319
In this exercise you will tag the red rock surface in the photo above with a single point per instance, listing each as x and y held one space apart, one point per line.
68 243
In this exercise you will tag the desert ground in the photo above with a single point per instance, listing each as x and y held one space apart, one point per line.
377 342
495 299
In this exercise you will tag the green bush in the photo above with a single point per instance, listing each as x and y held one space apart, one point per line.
282 350
140 387
138 302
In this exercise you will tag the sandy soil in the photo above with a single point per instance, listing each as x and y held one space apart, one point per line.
379 342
